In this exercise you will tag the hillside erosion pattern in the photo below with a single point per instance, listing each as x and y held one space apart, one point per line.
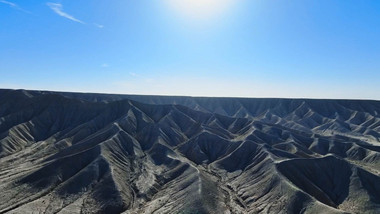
103 153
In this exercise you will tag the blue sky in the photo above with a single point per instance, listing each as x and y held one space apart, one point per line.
244 48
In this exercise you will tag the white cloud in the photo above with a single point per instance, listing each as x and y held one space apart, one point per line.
13 5
58 9
8 3
105 65
98 25
133 74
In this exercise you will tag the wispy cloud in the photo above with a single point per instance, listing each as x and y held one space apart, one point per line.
58 9
13 5
8 3
98 25
133 74
105 65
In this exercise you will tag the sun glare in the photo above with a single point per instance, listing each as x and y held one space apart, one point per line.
200 9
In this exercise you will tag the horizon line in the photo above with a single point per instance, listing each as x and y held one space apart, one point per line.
190 96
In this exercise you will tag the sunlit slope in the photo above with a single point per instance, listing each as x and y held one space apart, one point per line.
92 153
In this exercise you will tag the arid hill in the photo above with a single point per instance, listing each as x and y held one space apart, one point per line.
101 153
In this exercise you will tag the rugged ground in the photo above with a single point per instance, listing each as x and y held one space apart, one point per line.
97 153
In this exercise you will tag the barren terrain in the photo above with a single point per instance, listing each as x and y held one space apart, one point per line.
99 153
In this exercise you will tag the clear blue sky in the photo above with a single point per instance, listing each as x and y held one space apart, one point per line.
249 48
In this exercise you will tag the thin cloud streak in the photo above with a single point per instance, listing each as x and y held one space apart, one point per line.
98 25
58 9
15 6
9 3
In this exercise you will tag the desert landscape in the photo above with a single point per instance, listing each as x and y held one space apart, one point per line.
101 153
189 107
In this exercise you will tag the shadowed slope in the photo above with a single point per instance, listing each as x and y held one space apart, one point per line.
91 153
